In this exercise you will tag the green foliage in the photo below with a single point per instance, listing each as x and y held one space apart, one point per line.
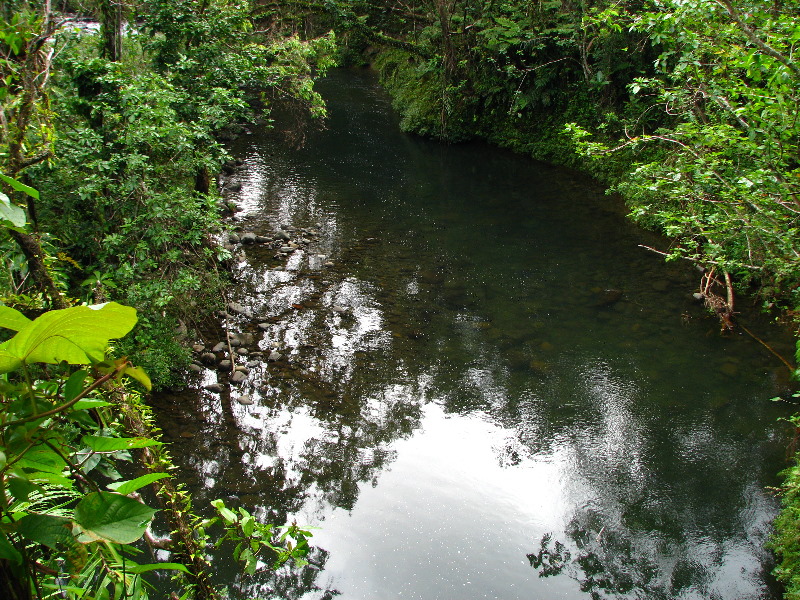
252 537
786 541
51 510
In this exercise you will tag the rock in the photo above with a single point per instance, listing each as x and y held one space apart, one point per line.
238 377
236 308
249 238
196 368
225 365
262 239
282 235
264 326
287 249
198 348
220 347
328 264
208 359
241 369
247 339
245 399
339 309
242 351
698 296
235 342
214 388
252 364
274 355
234 238
234 186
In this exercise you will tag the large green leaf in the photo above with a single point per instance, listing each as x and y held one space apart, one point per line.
112 444
107 517
126 487
11 318
77 335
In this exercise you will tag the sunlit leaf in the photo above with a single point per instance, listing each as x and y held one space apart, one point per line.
77 335
112 444
126 487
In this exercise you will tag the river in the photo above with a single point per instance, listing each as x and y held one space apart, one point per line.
490 391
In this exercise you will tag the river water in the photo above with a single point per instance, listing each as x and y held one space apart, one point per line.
492 392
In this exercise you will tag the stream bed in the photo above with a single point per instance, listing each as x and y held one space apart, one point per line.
467 375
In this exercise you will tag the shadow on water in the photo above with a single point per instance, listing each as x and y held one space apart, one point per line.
490 391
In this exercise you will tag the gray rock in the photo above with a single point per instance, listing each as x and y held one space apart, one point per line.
264 326
219 347
238 377
261 239
245 399
698 296
236 308
252 364
249 238
198 348
241 369
233 238
196 368
328 264
242 351
282 235
287 249
214 387
208 359
225 365
233 186
235 341
247 339
274 355
339 309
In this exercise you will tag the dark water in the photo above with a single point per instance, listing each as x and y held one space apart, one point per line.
493 393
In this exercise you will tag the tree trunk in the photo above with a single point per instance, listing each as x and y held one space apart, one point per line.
34 255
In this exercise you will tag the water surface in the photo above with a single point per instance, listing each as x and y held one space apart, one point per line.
494 392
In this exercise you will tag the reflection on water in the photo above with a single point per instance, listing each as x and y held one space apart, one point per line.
493 393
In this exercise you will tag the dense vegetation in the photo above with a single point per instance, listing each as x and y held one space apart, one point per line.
109 151
110 144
